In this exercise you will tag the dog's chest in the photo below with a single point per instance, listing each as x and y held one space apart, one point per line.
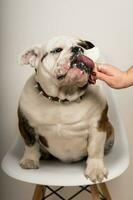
65 126
40 112
74 117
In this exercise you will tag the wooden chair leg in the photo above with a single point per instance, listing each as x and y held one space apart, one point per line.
94 192
39 192
104 190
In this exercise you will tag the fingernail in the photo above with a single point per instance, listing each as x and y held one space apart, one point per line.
94 73
99 67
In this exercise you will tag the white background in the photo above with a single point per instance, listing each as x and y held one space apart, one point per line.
108 24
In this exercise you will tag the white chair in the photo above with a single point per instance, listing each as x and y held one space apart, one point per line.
56 173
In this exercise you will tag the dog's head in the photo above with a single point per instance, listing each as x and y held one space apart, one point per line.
67 61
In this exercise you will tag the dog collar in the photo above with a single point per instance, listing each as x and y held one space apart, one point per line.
51 98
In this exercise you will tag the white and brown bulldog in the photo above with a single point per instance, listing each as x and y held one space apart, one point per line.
61 111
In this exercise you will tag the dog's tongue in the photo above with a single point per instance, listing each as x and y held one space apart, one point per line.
87 61
90 66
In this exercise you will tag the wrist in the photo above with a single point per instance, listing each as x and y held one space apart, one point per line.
127 80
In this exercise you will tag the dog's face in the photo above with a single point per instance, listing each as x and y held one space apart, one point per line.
67 61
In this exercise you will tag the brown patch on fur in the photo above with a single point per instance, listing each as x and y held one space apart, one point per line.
27 132
104 123
43 141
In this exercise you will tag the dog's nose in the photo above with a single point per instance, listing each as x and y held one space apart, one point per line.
77 49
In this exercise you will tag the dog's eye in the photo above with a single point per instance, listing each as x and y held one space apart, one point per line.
57 50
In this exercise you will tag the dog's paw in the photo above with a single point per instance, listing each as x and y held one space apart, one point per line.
29 164
96 170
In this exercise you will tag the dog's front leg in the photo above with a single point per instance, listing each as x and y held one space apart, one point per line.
30 159
95 169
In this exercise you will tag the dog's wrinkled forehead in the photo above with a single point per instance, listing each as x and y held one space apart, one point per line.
62 42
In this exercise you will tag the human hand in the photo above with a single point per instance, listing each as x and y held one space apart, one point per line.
113 76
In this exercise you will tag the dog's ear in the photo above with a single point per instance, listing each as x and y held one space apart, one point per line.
86 44
32 56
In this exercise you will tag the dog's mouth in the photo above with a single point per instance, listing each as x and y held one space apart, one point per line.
85 64
60 77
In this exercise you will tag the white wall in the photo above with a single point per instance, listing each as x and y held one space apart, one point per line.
108 24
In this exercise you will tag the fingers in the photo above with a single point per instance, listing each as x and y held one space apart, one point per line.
113 76
106 69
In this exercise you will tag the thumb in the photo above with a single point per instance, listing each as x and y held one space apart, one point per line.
102 76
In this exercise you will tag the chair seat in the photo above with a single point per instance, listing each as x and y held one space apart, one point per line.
57 173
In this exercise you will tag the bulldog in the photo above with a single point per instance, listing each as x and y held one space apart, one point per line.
61 110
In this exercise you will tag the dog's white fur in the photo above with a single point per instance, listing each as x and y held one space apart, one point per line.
70 127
